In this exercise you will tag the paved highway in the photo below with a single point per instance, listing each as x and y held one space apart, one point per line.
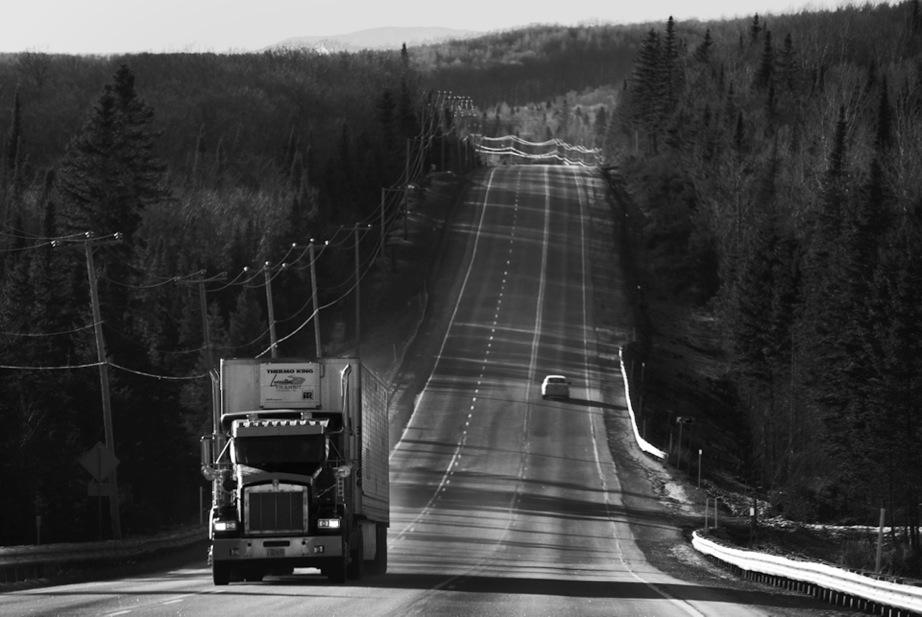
502 503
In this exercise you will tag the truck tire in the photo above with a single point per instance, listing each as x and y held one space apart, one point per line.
357 562
336 573
378 565
220 573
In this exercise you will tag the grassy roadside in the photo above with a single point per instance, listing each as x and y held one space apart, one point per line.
414 282
398 292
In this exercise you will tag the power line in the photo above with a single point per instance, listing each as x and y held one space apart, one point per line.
392 207
48 334
50 368
158 377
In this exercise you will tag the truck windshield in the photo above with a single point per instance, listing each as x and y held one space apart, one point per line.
263 452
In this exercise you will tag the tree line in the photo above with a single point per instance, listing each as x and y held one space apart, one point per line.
776 160
531 65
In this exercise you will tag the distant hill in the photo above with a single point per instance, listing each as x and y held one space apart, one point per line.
375 38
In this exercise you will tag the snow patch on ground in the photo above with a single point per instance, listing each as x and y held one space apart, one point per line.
676 492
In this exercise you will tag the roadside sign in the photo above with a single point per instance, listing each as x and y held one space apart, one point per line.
99 461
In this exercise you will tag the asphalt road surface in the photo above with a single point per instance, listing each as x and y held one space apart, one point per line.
502 503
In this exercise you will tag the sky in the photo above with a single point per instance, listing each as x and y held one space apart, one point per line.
132 26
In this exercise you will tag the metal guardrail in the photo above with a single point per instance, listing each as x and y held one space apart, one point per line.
834 585
20 563
645 445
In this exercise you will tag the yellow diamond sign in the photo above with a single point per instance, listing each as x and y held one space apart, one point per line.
99 461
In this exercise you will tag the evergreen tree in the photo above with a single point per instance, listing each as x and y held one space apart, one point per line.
393 144
12 176
672 70
198 156
406 111
763 322
248 331
647 89
14 139
404 57
220 164
731 109
739 135
109 173
755 29
345 177
387 109
788 64
49 214
884 136
853 401
43 428
766 64
895 369
703 51
600 126
108 177
771 103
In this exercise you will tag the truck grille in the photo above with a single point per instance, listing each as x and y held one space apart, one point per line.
276 511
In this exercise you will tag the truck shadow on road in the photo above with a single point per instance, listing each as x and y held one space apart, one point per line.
575 588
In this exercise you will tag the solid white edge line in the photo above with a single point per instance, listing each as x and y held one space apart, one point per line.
683 604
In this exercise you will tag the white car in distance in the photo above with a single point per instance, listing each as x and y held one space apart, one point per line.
555 386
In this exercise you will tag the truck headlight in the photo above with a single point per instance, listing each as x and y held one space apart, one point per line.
329 524
225 526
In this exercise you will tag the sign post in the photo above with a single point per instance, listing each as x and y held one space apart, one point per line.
101 462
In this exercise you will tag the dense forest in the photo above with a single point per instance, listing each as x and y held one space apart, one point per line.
776 161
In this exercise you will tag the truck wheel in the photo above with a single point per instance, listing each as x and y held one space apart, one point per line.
337 571
378 565
357 563
220 573
380 561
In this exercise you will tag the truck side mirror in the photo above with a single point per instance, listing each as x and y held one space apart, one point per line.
207 453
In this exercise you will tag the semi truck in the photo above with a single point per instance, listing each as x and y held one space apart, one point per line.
298 463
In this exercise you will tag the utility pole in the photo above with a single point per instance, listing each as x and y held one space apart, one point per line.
206 340
319 347
206 334
442 135
406 189
358 295
273 341
203 307
382 251
103 384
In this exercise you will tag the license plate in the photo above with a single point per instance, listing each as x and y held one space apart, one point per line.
275 552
